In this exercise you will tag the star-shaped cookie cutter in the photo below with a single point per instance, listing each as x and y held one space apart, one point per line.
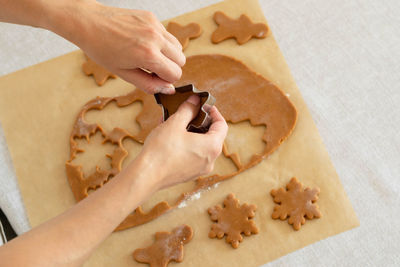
171 103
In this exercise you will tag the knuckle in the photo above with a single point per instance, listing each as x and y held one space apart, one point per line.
215 152
182 112
209 168
179 45
173 119
176 74
183 58
215 149
146 49
179 73
178 117
150 16
152 33
151 55
148 88
146 14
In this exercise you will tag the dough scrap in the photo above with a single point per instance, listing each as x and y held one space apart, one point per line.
184 33
100 74
80 185
168 246
296 203
235 87
232 220
242 29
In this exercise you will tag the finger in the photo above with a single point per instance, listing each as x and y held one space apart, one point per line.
147 82
167 35
187 111
172 39
165 68
174 53
219 127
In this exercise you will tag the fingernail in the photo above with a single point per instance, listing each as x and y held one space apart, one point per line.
194 100
169 89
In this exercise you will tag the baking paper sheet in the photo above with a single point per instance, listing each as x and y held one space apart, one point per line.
38 106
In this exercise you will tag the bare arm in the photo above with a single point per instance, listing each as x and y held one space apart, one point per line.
124 41
69 239
170 155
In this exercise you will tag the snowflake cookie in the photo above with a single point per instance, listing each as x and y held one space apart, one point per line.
232 220
296 203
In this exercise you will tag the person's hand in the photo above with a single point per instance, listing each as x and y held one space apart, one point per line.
180 155
126 42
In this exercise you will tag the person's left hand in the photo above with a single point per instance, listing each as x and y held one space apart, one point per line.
126 42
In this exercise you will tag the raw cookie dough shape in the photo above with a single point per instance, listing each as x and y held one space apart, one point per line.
242 29
184 33
168 246
296 203
100 74
235 88
232 220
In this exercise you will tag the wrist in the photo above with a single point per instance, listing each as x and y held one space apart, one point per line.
66 18
146 173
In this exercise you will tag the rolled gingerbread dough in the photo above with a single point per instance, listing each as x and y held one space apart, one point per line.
39 104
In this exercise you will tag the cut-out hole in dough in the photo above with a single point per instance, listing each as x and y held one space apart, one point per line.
94 155
91 191
112 116
245 140
223 166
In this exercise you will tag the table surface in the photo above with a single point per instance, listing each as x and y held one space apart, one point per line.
345 57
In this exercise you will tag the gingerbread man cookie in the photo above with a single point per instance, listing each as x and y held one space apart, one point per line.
100 74
242 29
296 203
167 247
184 33
232 220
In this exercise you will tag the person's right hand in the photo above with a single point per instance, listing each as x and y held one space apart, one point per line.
179 155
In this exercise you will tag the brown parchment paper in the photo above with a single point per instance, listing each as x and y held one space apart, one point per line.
38 106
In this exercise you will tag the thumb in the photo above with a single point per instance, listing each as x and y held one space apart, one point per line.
187 111
147 82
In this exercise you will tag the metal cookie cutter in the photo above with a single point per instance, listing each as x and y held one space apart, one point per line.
171 103
3 238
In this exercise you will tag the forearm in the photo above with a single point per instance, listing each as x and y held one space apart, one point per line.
37 13
63 17
26 12
70 238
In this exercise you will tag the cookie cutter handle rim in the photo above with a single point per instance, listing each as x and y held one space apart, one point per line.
205 108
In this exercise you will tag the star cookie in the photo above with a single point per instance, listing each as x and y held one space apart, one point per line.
296 203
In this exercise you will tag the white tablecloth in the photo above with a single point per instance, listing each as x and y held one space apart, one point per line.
345 57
